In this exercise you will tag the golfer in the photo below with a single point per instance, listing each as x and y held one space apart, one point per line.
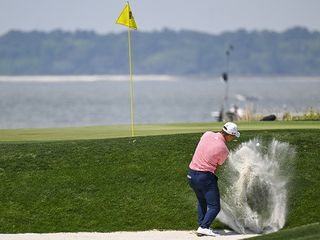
210 153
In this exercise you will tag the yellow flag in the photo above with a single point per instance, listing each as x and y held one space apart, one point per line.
126 18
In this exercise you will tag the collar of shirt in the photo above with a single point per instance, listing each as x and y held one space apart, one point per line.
221 137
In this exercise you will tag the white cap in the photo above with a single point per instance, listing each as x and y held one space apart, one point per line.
231 128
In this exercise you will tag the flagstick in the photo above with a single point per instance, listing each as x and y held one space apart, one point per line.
126 18
131 85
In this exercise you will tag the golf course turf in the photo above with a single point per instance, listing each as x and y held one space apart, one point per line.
89 179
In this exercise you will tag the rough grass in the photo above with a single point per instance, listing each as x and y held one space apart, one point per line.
117 185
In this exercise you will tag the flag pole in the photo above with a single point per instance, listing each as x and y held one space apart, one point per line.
126 18
131 84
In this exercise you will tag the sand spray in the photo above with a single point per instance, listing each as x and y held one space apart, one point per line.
255 184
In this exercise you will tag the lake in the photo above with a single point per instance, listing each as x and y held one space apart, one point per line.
63 101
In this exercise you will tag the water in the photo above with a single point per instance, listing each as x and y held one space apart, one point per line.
60 101
258 174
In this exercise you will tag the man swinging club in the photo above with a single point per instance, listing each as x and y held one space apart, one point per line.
210 153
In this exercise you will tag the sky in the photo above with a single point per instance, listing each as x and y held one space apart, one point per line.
211 16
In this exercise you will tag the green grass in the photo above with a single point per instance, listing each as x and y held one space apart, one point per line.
305 232
116 185
120 131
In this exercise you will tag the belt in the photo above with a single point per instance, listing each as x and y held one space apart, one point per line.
206 172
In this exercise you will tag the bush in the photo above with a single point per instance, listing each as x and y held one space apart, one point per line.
312 114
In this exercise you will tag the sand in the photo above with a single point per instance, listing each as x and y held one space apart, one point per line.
146 235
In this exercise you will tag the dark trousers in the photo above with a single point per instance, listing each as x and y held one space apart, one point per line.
205 186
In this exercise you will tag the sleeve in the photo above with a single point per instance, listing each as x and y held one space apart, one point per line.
223 156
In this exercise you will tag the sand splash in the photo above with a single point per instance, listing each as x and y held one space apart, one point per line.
256 180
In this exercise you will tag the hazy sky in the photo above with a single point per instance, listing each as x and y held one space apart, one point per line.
212 16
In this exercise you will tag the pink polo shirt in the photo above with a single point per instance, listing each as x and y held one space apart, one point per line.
210 152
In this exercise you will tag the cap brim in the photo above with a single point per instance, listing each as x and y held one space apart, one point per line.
237 135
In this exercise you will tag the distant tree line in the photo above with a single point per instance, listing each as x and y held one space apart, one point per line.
293 52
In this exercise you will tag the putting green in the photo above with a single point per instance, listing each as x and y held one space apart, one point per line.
116 131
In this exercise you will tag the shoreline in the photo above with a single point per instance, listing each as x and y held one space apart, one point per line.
147 77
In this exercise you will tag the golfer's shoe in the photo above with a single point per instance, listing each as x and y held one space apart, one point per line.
205 232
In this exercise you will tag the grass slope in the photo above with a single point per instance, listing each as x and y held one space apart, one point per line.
117 185
305 232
